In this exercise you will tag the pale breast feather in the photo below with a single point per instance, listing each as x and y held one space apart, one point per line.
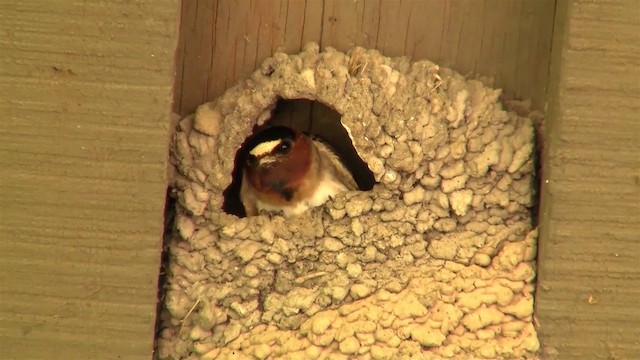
327 188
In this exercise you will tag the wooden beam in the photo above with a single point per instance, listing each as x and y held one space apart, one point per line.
589 278
86 95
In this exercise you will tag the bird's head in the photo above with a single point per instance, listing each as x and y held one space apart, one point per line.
279 157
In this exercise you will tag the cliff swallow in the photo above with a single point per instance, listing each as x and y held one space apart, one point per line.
287 171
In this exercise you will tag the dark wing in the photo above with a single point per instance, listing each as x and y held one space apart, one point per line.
247 197
339 169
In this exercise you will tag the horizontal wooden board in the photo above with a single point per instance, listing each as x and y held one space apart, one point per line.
224 40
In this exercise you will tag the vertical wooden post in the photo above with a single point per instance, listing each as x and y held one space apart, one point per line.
85 103
589 279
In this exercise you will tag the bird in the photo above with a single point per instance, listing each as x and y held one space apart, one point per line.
289 172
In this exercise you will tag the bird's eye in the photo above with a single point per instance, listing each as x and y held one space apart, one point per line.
284 147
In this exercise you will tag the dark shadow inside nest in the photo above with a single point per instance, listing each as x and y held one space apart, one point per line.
311 117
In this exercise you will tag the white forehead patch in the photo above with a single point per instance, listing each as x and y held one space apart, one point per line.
265 148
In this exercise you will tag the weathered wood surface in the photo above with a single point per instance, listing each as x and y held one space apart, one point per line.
85 101
224 40
589 275
84 98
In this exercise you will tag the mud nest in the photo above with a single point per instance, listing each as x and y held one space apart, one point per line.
436 261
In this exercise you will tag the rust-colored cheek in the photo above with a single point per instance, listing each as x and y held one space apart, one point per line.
296 165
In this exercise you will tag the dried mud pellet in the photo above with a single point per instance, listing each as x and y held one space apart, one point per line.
460 201
366 340
445 225
427 336
262 351
453 184
486 351
185 226
344 332
414 196
313 352
322 321
357 228
482 259
337 214
364 327
232 331
274 258
354 270
380 352
339 293
332 244
359 291
521 309
409 307
323 339
482 317
350 345
213 354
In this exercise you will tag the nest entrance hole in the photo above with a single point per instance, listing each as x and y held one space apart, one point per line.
311 117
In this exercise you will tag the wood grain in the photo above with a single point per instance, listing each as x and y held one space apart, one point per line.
85 101
225 40
589 278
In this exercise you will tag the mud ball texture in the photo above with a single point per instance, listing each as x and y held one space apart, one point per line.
437 261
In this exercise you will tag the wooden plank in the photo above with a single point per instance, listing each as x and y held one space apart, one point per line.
509 41
589 279
85 96
195 53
